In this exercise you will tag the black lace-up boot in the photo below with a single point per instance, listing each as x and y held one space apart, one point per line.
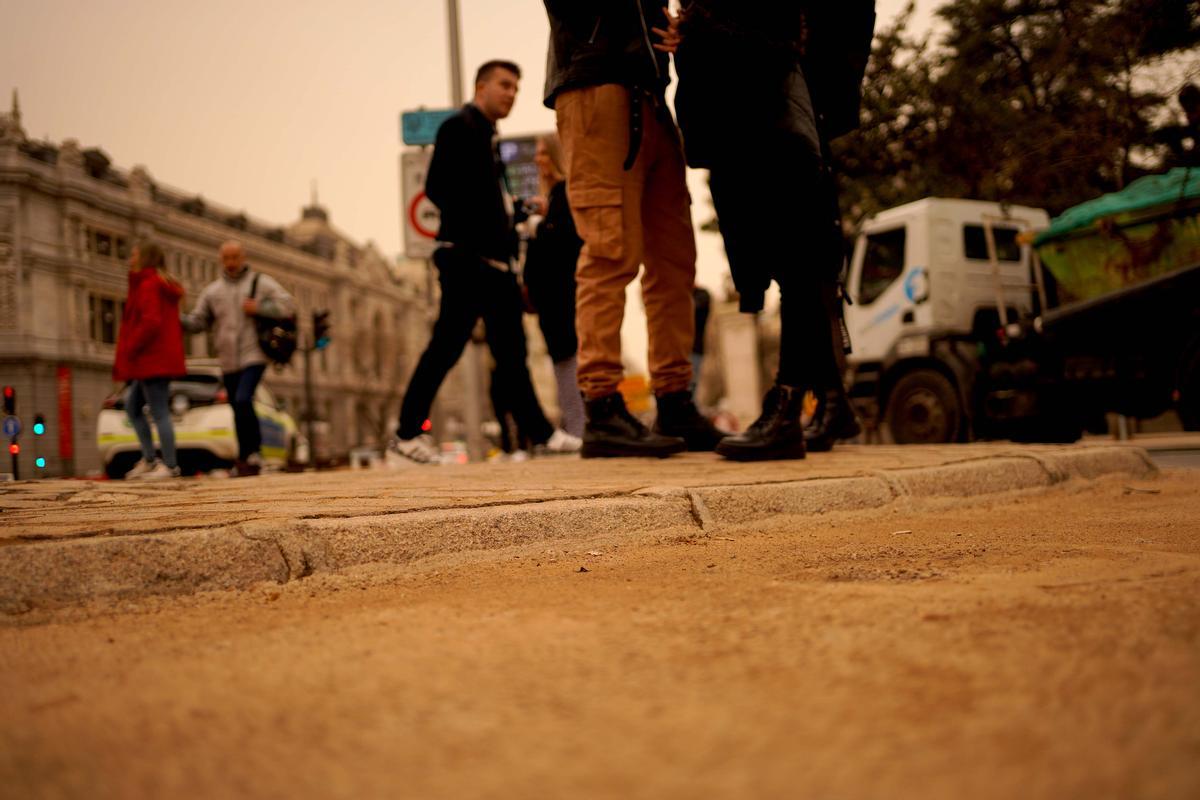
776 434
834 419
678 416
612 432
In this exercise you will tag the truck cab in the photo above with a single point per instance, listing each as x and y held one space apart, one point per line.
931 284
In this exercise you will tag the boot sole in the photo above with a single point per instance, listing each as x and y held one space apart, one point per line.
601 450
776 454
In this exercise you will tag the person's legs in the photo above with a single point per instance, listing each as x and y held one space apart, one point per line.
506 339
606 203
457 315
570 402
239 387
135 400
157 392
670 255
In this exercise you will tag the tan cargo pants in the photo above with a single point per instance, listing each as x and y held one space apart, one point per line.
627 218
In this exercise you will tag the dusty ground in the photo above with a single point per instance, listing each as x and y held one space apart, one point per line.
1037 645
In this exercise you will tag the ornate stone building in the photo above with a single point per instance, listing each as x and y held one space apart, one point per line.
68 219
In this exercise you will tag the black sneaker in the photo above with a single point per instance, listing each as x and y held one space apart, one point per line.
612 432
776 434
834 419
678 416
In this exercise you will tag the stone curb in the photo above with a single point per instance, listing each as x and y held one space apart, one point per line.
58 573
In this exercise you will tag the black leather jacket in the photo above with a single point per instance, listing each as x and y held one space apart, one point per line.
464 181
604 41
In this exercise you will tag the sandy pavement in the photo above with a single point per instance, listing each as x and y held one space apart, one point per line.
1043 644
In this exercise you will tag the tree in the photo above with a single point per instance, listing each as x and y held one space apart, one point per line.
1033 102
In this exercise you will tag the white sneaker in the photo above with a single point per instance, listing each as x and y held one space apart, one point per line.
405 452
561 442
140 468
160 472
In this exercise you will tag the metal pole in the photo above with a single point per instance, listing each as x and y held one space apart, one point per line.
308 403
474 377
456 92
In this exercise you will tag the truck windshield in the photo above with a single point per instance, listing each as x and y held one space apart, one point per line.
883 263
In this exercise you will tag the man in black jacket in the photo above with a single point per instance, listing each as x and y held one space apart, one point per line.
466 181
625 183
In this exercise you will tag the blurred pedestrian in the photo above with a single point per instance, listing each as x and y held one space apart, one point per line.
149 354
229 306
763 88
626 186
467 182
549 276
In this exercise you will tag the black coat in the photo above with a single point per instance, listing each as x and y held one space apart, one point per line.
763 87
593 42
464 182
749 69
550 274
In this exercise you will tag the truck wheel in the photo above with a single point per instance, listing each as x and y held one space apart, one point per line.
923 409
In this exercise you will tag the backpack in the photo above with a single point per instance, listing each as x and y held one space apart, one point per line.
277 337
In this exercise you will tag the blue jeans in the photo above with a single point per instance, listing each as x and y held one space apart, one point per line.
153 392
240 387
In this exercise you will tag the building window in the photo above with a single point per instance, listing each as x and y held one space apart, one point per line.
104 318
123 248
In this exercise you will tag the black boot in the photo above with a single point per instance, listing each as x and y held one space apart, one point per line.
612 432
677 416
834 419
776 434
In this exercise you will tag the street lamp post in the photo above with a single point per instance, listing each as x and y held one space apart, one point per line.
473 407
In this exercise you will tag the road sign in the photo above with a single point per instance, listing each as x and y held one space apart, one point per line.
421 127
12 426
420 216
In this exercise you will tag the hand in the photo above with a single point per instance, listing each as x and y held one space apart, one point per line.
671 37
250 306
538 205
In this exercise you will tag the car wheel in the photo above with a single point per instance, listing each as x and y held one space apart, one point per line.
923 409
119 466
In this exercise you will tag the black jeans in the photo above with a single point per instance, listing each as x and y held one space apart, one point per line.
779 218
472 289
240 386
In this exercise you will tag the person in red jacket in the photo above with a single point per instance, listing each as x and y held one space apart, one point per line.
149 354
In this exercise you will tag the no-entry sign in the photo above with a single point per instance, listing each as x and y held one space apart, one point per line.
420 216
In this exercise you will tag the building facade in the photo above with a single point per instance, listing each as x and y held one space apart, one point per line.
68 220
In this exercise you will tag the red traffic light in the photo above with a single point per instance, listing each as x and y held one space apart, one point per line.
10 400
14 449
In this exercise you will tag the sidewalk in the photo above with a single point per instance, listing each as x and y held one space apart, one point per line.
69 541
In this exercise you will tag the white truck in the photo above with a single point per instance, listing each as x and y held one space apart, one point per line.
956 334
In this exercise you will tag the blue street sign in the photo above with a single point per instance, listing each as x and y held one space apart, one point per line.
12 426
421 127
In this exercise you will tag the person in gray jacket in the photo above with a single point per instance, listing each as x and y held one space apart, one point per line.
226 306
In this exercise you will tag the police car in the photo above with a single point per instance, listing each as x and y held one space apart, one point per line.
205 437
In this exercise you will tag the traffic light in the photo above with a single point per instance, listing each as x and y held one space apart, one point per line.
321 328
14 449
10 400
40 461
39 425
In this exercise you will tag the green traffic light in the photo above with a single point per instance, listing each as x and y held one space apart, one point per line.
38 428
41 462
